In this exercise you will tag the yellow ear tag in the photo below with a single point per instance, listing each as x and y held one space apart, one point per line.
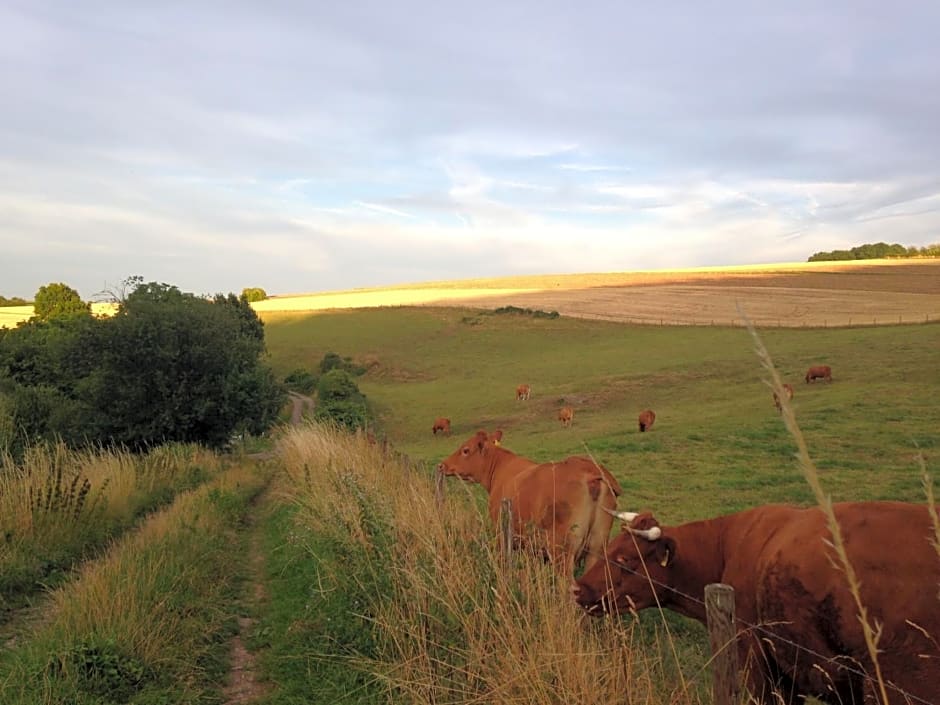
665 561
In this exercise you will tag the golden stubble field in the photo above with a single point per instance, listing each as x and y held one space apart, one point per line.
799 294
810 294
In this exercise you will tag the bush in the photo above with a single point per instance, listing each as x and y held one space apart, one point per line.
332 361
535 313
339 400
301 380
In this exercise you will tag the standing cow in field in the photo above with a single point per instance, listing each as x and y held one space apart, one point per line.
566 416
798 629
646 420
819 372
788 393
563 502
522 392
441 424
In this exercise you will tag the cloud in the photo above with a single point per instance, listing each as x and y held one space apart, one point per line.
302 148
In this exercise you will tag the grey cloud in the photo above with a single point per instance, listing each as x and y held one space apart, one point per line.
177 125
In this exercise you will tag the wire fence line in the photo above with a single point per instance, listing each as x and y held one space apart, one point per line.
836 321
765 632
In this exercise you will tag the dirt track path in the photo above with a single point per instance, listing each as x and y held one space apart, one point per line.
300 402
243 685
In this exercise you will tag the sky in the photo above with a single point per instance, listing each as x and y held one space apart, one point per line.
310 146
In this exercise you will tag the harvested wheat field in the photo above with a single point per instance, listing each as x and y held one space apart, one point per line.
810 294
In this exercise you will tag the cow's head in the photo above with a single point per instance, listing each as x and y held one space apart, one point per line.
469 461
638 560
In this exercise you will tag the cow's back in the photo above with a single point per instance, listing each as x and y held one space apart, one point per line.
564 499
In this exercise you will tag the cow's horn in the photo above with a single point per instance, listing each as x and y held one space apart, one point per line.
648 534
623 516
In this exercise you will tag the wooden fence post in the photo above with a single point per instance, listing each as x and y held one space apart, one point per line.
505 532
719 612
439 489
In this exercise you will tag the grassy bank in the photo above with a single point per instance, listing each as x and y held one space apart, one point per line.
57 506
148 622
415 605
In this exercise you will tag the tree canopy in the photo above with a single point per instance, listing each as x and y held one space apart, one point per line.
254 293
168 366
58 300
878 250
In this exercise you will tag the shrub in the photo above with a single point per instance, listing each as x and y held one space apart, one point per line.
301 380
339 400
333 361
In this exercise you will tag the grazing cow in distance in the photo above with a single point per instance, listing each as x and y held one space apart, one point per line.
787 391
646 420
441 424
562 501
566 416
522 392
819 372
798 630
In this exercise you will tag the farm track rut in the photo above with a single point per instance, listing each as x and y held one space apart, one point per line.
243 685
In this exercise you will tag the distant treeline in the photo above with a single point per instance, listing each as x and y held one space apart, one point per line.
13 301
877 250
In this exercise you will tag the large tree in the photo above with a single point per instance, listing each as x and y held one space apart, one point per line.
179 367
169 366
58 300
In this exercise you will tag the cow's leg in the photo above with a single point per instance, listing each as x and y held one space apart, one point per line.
762 678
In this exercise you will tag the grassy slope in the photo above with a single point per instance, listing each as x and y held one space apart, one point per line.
718 444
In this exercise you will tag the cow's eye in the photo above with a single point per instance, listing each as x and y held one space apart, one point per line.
465 451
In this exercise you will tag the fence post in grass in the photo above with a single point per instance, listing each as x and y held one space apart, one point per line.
505 532
439 490
719 613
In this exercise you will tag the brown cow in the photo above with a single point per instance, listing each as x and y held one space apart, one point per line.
819 372
646 420
566 416
441 424
788 392
562 501
797 621
522 392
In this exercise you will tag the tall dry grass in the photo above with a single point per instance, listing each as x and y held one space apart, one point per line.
148 615
451 624
56 503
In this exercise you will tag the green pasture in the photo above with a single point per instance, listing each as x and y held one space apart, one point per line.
718 444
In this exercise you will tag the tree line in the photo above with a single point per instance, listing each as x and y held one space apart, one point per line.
878 250
167 366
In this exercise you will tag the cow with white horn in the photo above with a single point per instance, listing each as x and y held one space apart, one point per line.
799 632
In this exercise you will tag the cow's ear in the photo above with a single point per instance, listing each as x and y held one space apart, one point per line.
665 551
481 440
